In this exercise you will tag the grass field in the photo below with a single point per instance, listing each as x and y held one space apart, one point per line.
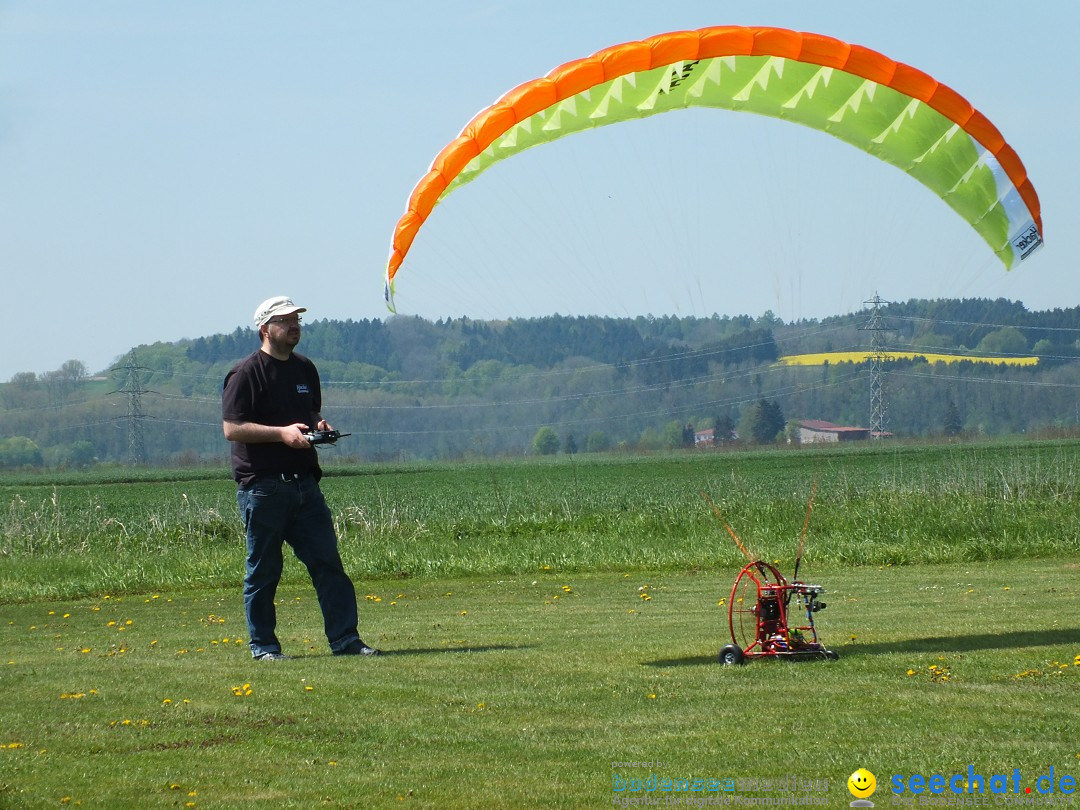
884 504
551 632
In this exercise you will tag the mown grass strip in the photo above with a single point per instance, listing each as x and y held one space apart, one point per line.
524 690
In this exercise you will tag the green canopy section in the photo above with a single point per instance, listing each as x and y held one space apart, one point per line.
885 123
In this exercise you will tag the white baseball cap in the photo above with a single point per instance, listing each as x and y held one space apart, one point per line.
272 307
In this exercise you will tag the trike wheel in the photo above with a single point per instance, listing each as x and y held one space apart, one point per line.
731 655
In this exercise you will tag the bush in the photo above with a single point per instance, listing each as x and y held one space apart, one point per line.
546 442
17 452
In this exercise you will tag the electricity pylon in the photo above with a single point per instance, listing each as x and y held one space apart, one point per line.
878 405
132 387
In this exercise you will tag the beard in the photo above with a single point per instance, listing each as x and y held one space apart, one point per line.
286 343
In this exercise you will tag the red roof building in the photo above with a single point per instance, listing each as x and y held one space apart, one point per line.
815 431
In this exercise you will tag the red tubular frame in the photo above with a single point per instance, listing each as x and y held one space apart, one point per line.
772 634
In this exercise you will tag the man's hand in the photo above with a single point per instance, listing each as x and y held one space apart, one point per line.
293 436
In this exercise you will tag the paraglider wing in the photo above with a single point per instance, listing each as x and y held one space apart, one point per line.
888 109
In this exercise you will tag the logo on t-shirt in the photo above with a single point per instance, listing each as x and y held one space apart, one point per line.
301 388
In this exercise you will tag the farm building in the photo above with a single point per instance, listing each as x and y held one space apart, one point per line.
706 437
815 431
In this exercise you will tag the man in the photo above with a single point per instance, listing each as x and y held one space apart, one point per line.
270 399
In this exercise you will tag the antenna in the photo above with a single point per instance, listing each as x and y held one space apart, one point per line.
730 530
805 526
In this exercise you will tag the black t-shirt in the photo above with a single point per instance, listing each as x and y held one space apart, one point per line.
267 391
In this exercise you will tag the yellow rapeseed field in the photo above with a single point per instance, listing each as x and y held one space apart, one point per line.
821 358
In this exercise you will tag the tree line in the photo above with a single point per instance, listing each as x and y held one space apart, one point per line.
411 388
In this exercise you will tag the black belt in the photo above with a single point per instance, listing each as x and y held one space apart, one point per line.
288 478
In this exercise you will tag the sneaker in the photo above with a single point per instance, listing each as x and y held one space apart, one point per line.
272 656
357 647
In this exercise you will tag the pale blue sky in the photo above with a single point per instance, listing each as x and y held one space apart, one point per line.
166 166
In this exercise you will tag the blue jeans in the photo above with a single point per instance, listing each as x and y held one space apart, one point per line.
275 512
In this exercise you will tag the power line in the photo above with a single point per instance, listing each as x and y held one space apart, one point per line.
990 325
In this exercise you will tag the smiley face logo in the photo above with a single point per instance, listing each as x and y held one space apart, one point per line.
861 784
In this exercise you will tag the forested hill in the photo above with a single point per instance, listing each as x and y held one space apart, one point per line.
960 325
411 388
538 342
